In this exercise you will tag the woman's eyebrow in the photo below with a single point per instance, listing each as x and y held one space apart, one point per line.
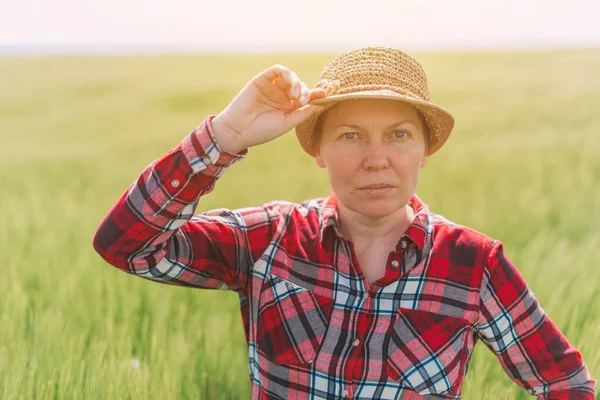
360 127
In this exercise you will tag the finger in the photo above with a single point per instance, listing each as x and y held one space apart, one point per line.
304 94
293 90
286 80
296 83
317 93
282 84
277 71
289 84
299 115
296 88
307 96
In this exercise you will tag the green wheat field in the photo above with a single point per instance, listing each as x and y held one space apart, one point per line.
522 166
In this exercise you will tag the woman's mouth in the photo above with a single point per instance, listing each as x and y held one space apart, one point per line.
378 188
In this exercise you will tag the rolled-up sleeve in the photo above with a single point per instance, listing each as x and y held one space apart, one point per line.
532 350
152 231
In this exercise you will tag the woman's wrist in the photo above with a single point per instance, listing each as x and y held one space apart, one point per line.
226 137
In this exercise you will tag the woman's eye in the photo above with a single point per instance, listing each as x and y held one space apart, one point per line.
400 134
349 135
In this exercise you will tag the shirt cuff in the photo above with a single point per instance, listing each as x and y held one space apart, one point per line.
203 153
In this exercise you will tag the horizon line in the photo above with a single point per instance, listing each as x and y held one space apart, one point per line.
109 49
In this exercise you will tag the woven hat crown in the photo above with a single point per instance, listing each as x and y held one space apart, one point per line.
374 68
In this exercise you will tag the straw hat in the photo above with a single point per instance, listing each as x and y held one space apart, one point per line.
378 72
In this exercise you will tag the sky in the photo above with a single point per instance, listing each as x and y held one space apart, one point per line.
288 26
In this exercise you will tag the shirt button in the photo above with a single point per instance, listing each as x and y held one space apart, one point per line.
356 342
403 244
344 394
206 160
394 264
365 295
175 182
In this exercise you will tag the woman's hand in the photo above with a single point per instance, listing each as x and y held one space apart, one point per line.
271 104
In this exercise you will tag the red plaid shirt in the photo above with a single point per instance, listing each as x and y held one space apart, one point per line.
314 326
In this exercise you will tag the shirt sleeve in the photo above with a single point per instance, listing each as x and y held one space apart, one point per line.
528 344
152 231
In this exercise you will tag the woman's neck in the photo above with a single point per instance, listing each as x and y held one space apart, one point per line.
361 229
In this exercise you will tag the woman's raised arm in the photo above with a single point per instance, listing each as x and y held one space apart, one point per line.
152 231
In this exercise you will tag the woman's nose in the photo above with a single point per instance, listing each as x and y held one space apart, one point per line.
376 157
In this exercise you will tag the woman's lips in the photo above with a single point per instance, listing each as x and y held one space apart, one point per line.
376 189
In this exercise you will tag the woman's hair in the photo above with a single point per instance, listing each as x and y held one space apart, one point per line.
318 131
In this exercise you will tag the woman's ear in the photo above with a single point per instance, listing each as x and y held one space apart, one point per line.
424 161
319 159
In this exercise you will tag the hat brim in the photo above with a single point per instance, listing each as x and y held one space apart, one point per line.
439 120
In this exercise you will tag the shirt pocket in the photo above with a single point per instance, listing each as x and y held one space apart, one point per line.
425 350
291 322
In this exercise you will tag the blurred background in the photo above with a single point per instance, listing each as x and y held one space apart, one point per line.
93 92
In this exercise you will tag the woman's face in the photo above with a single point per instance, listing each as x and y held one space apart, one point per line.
373 150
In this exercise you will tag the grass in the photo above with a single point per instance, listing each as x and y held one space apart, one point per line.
521 166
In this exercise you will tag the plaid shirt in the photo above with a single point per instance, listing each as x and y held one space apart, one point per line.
315 327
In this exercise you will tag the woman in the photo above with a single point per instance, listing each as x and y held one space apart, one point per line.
364 294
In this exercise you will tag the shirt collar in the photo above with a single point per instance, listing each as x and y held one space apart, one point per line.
416 232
